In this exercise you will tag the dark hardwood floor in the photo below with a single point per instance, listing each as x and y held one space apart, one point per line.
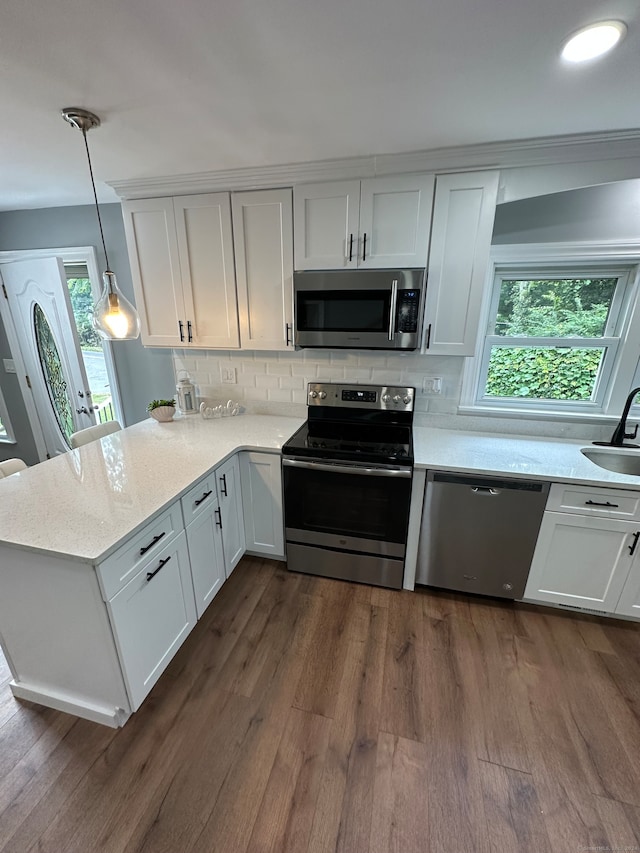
305 714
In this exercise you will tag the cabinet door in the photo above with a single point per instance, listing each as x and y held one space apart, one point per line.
204 539
326 225
150 230
261 479
629 602
152 616
581 561
395 220
263 239
463 216
205 244
230 495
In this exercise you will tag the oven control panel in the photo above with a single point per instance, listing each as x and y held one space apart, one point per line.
381 397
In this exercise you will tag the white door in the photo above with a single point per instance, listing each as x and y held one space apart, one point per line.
42 316
230 495
261 480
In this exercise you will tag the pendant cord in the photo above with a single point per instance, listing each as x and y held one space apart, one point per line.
95 195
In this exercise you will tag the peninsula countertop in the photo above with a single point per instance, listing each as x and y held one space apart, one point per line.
83 503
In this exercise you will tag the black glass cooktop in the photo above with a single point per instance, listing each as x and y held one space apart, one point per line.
352 442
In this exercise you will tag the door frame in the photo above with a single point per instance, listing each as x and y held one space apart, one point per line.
69 255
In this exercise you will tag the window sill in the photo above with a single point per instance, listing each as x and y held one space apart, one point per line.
542 415
4 439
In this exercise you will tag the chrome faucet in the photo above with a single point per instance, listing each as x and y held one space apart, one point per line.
620 432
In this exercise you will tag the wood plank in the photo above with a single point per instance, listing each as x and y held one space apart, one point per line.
401 822
317 690
404 696
284 821
621 823
514 819
485 651
342 820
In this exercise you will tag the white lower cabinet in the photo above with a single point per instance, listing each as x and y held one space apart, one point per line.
203 522
152 616
230 496
581 561
261 479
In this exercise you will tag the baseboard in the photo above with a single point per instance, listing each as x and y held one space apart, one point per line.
103 714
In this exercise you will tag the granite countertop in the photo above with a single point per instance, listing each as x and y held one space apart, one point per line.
555 460
83 503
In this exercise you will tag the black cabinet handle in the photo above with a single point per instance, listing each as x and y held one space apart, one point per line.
595 503
189 331
152 543
203 498
181 327
426 346
219 518
634 544
350 247
151 575
364 247
223 480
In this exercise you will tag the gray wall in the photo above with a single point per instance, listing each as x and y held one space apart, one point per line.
606 212
143 373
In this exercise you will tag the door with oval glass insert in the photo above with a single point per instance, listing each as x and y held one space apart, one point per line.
40 307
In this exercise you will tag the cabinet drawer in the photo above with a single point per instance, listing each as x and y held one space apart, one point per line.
199 498
152 616
118 569
593 500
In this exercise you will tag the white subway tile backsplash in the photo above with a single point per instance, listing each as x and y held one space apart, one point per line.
291 382
277 395
266 381
275 383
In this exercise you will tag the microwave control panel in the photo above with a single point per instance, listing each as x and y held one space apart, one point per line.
407 310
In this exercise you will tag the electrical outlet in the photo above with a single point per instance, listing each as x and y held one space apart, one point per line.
432 385
229 376
9 366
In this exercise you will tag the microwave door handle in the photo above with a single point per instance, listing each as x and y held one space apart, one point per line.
392 310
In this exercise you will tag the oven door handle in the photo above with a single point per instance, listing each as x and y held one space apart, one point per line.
348 469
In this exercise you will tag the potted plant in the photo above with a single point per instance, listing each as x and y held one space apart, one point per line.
162 410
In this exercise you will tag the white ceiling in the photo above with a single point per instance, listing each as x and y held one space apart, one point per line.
203 85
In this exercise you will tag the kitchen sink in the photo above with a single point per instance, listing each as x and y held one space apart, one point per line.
620 460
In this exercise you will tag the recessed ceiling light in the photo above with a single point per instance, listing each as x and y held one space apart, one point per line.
593 40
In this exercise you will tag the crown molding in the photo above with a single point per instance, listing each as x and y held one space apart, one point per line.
544 151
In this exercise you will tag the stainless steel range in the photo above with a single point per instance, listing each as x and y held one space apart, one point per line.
347 483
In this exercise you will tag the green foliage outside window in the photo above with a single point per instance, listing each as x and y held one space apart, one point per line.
82 304
553 308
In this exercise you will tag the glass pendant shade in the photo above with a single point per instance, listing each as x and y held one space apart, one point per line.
114 317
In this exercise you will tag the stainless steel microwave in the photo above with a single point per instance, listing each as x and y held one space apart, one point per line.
358 309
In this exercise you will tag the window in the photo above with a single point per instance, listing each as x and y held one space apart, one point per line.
553 336
560 330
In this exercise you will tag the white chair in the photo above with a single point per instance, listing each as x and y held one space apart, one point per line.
84 436
11 466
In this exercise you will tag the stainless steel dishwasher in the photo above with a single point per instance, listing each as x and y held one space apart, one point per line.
479 533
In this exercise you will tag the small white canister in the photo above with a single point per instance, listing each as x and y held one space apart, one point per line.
186 396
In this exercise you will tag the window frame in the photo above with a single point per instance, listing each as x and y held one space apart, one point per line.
9 437
621 361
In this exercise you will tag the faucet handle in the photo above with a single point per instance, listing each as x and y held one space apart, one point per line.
632 434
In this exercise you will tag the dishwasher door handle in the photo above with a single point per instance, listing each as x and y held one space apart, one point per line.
485 490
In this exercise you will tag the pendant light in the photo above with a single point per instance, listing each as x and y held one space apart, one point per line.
114 317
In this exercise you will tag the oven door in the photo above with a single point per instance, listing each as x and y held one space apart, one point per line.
356 508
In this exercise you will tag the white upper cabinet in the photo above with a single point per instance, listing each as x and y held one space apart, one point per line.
376 223
181 255
326 225
463 215
263 237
